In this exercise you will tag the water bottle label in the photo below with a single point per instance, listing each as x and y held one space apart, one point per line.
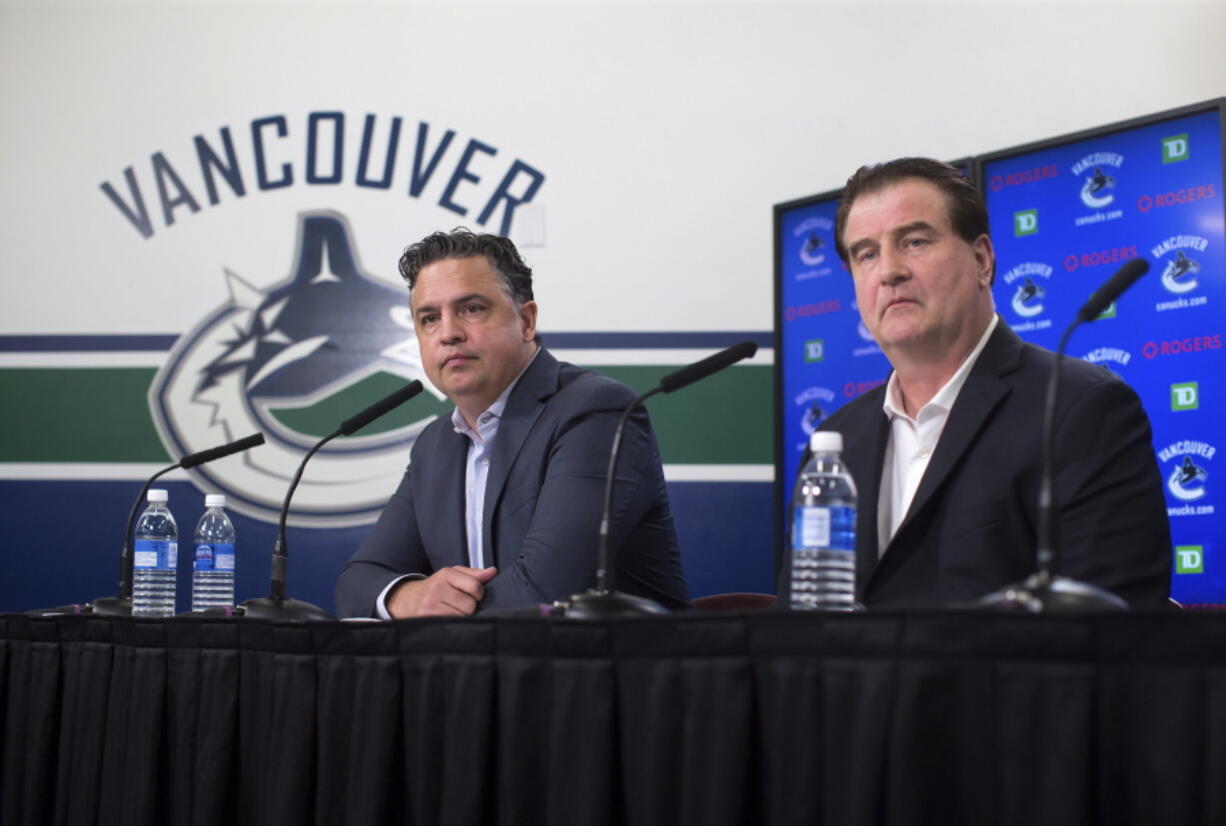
223 556
204 556
812 528
156 554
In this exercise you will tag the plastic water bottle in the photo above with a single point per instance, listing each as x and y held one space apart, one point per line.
155 561
824 530
213 569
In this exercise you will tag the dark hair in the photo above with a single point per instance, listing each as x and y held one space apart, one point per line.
512 272
967 212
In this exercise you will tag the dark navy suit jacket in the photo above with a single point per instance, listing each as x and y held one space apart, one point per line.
543 501
971 526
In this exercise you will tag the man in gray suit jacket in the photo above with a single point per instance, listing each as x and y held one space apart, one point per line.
946 454
501 502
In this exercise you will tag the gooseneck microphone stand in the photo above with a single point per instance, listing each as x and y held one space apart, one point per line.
603 601
1045 591
276 606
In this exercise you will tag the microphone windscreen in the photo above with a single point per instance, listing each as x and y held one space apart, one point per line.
1113 289
711 364
384 405
212 453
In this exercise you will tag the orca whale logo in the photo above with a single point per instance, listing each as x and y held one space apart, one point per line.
292 362
1187 480
812 250
1096 191
1028 299
1180 274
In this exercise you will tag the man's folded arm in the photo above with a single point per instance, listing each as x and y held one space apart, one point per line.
391 550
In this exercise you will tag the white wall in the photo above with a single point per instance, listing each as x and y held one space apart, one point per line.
666 131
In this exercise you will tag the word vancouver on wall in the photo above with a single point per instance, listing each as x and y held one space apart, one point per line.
327 148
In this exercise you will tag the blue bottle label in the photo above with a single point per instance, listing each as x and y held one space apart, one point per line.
824 527
156 554
217 556
812 528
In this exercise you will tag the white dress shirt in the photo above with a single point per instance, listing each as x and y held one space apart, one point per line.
912 441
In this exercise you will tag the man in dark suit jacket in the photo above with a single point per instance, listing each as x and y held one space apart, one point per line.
946 455
501 503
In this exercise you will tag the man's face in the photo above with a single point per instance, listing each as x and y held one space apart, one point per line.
473 339
921 289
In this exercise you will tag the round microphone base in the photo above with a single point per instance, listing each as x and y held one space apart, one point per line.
1043 594
284 610
606 605
112 607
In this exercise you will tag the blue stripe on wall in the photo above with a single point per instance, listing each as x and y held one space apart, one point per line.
559 340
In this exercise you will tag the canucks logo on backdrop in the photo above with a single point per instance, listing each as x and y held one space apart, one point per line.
813 404
1179 255
1115 359
1096 190
1187 474
1026 285
1097 173
276 360
815 238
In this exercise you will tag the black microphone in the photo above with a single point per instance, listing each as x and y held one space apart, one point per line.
121 603
603 602
275 605
355 423
1045 590
711 364
1124 278
212 453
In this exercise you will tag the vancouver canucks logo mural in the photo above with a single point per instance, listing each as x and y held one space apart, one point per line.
292 362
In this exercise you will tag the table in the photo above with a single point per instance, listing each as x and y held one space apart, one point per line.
770 718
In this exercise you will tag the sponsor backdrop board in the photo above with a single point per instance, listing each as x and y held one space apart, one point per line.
825 355
1065 213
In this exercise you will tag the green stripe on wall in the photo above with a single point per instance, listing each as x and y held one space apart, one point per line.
724 419
78 415
101 414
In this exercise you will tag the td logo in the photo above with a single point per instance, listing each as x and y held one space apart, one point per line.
1185 396
1175 148
1025 222
1189 559
815 350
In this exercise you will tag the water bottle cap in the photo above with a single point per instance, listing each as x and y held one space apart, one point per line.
826 441
158 495
215 500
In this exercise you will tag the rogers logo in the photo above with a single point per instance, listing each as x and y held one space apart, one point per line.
1181 346
855 388
1180 196
1100 257
818 308
1025 176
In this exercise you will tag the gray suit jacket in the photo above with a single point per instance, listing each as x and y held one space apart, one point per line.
543 501
971 526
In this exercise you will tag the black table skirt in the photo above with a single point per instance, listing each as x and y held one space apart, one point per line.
697 719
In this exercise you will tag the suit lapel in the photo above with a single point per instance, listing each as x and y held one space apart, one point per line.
983 391
524 407
864 440
449 495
